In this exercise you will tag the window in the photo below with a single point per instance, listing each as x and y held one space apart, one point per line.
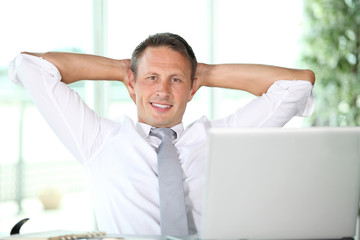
33 159
260 32
143 18
228 31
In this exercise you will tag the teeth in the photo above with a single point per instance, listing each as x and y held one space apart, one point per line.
160 105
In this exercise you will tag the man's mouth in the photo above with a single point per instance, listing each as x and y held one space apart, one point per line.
162 106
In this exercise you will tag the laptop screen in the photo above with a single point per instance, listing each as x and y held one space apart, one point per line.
282 183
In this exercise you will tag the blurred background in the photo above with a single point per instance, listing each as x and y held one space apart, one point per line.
41 180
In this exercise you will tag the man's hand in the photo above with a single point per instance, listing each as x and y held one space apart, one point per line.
200 75
126 79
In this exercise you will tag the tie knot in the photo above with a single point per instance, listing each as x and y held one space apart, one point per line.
163 133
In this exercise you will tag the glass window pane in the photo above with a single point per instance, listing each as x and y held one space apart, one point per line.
39 26
130 22
261 32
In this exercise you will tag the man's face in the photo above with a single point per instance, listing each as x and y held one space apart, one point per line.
162 87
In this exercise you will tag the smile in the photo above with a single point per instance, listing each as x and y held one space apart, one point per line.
163 106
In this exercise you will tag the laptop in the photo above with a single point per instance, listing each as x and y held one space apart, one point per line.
282 183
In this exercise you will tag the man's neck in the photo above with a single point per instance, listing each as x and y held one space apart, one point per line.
179 128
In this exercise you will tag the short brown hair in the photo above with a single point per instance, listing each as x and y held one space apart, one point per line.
173 41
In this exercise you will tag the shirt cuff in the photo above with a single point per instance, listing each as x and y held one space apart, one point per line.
18 66
12 70
300 92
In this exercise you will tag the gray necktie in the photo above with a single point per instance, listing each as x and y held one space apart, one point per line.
173 218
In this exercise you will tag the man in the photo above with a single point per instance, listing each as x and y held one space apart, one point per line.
161 78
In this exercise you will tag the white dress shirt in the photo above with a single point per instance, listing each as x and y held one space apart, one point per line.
120 157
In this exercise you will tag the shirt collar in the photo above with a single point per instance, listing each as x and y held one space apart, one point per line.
144 129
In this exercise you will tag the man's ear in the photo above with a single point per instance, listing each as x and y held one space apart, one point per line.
193 90
131 85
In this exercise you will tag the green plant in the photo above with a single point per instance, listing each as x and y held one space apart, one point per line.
331 48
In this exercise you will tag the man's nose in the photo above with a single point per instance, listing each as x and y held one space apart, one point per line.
163 87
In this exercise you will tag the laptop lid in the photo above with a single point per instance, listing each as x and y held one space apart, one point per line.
282 184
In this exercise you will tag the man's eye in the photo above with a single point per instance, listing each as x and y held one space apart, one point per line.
176 80
153 77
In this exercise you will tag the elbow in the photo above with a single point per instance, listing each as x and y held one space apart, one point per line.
309 76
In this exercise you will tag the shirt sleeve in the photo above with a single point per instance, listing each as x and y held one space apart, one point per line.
284 100
79 128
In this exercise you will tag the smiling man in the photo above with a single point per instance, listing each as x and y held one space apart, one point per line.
164 86
162 77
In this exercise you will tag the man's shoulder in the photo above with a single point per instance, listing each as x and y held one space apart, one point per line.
203 121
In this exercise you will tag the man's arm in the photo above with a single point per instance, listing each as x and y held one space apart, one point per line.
80 129
74 67
253 78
